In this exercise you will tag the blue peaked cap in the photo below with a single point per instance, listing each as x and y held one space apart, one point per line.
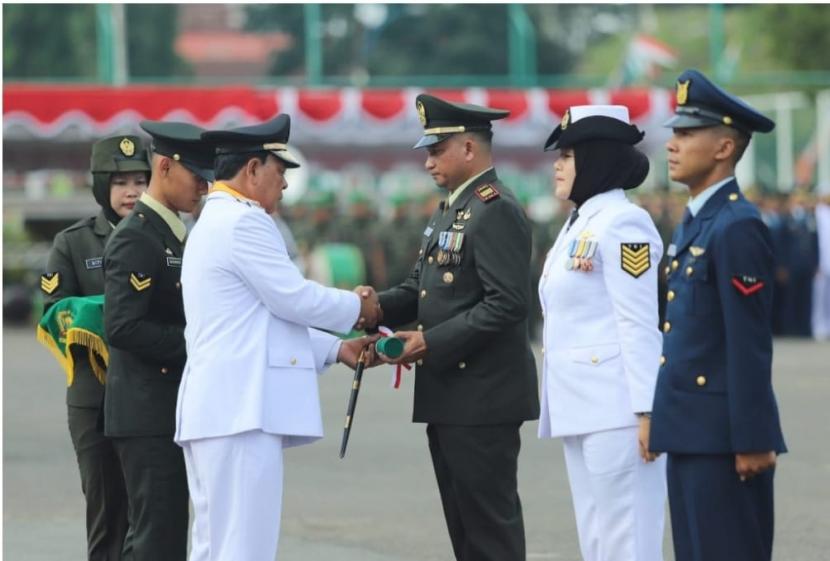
701 103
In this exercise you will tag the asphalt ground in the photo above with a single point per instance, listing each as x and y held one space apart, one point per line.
381 502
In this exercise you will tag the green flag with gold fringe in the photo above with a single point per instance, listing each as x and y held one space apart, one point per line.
76 321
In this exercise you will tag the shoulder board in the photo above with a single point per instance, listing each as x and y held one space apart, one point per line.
84 223
487 193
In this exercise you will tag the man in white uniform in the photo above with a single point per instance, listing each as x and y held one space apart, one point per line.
254 349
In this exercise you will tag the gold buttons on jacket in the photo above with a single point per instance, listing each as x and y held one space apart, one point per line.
662 360
733 197
448 277
420 327
420 252
164 370
594 360
675 264
423 294
666 327
179 285
689 271
419 362
430 259
701 380
667 270
462 365
670 296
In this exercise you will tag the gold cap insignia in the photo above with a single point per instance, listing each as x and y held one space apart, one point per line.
566 118
422 113
127 147
635 258
683 92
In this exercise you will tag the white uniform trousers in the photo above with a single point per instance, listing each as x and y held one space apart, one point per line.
619 500
235 484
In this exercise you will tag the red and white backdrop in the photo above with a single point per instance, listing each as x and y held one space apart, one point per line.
335 117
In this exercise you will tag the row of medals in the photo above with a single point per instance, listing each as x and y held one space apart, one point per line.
581 252
450 243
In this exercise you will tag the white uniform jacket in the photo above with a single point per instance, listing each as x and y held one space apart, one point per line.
601 340
252 359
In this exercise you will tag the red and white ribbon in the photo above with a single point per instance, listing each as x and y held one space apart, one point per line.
396 368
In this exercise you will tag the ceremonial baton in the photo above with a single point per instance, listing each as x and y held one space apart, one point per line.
389 346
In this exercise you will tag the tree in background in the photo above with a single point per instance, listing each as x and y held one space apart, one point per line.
49 41
151 33
800 34
59 41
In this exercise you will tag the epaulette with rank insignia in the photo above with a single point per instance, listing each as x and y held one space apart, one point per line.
487 193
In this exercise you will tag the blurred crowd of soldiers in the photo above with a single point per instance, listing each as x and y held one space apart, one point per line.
386 242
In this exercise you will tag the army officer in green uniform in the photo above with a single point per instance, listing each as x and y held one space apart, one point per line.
120 172
475 381
144 323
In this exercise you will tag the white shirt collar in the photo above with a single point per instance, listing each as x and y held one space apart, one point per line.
599 200
696 203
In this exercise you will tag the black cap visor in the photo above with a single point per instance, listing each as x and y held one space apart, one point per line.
431 139
286 158
199 169
593 128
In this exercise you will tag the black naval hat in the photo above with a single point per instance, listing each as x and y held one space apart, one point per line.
270 136
443 118
182 142
118 154
700 103
593 122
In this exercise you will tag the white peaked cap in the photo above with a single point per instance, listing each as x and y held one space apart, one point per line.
619 112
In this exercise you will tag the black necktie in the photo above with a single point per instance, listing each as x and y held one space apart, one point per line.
572 219
687 216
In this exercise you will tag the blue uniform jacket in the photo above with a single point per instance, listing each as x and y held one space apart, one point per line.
714 389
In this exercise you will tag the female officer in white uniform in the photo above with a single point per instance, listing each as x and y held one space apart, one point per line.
601 343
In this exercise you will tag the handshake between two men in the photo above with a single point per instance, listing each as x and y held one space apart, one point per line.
371 315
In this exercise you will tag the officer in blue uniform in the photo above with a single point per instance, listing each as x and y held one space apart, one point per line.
714 410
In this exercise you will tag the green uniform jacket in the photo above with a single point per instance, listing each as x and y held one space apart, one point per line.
144 323
76 256
479 368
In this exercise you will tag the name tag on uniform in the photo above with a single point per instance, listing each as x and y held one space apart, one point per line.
428 231
174 261
94 263
672 250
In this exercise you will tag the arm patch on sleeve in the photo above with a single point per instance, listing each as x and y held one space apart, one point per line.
747 285
635 258
140 281
49 282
